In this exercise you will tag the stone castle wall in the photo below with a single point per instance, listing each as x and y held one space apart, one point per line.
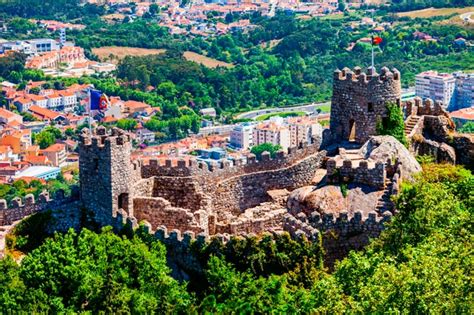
21 208
359 99
361 174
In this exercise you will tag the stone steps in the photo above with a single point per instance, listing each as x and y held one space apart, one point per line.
411 123
385 203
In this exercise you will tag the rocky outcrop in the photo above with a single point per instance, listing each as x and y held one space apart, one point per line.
440 151
383 148
331 200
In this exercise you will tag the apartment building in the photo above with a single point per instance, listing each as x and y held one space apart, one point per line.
437 86
464 91
302 129
272 132
56 153
242 136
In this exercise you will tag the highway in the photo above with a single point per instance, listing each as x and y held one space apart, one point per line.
309 108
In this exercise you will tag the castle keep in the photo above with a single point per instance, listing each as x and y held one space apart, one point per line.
359 100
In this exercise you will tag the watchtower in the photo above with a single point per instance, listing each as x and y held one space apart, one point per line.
359 100
105 173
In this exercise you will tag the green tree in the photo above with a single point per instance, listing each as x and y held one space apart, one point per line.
393 125
91 272
265 147
127 124
44 139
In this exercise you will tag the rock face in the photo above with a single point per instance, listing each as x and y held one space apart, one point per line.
382 148
330 200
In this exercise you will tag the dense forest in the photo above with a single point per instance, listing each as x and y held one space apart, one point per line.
421 263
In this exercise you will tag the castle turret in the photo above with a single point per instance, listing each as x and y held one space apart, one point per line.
105 173
359 100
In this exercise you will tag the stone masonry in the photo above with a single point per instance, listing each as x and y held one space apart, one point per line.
359 100
186 195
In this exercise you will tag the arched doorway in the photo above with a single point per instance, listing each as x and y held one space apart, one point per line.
352 130
123 201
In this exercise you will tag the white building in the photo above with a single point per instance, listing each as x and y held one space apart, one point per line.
144 134
272 132
464 90
437 86
302 129
242 136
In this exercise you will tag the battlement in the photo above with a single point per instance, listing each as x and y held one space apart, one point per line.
20 208
371 75
419 107
100 138
227 168
362 174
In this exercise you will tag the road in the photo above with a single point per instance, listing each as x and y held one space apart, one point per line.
467 17
309 108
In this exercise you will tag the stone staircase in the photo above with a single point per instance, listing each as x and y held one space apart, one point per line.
385 203
411 123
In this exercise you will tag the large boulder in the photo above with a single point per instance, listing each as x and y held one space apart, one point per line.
382 148
330 199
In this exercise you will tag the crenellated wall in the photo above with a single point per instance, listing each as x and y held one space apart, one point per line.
362 174
359 100
21 208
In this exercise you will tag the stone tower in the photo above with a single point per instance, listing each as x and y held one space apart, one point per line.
359 101
106 173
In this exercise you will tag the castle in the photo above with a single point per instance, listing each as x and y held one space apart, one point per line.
239 197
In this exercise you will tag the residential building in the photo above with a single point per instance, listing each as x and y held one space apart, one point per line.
211 112
7 117
462 116
56 153
464 90
272 132
242 136
437 86
46 114
42 172
302 129
19 140
145 135
134 107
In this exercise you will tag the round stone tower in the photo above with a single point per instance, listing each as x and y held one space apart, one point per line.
359 100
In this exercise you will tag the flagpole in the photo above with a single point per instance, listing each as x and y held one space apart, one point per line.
373 58
90 109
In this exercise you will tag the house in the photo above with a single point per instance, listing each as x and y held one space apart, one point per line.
134 107
37 160
19 140
460 41
145 135
56 153
211 112
6 153
6 117
47 114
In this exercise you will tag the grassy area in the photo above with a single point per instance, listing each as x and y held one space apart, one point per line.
115 53
206 61
325 108
280 114
324 122
432 12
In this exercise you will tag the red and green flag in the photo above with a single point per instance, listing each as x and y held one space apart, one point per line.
376 40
